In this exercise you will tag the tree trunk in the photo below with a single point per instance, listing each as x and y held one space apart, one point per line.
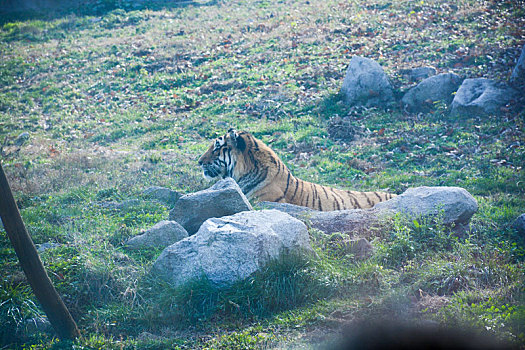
45 292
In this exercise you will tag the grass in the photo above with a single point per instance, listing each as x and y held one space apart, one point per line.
118 98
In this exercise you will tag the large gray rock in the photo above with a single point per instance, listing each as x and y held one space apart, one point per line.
517 79
366 83
519 224
229 249
224 198
162 194
457 204
161 235
481 96
421 98
353 220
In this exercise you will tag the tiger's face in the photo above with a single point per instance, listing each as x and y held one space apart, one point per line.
221 157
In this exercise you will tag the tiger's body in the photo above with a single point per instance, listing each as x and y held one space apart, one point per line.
262 176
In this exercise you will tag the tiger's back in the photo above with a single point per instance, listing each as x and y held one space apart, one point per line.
324 198
264 177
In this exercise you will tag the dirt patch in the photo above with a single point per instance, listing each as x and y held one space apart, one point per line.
342 129
429 303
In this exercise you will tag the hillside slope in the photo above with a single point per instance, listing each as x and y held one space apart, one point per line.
100 101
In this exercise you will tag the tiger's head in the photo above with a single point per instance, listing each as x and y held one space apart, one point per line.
222 156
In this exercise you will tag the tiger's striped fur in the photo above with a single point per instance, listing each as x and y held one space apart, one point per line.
263 176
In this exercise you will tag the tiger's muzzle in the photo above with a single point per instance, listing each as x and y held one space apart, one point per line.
211 171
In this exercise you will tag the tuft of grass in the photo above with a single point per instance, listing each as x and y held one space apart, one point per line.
283 284
17 309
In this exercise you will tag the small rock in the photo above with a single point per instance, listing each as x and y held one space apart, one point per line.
231 248
223 198
36 325
366 83
481 96
419 73
517 79
162 194
519 224
124 205
421 98
21 139
45 246
128 204
162 234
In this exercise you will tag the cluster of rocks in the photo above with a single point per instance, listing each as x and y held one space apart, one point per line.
215 234
366 84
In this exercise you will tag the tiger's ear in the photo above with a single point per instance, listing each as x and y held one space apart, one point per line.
233 133
237 140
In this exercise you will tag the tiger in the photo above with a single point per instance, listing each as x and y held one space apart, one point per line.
262 176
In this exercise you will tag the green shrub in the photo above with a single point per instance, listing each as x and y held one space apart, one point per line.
495 315
415 238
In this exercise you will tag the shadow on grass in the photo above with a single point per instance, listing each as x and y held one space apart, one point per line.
331 105
48 10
